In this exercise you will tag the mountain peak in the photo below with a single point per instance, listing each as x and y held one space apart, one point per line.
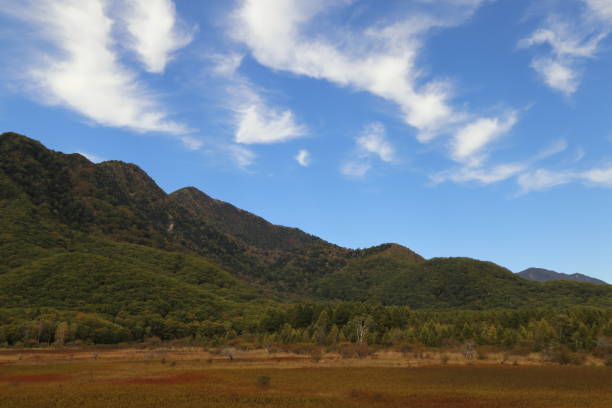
130 178
392 250
242 224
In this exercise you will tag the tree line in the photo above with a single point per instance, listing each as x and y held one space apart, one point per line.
323 324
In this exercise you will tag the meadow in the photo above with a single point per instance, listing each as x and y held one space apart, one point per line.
258 378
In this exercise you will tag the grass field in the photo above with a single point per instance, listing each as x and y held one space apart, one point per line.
132 378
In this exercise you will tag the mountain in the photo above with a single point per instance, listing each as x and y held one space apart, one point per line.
120 202
105 238
544 275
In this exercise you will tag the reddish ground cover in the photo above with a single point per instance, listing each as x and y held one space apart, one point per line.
38 378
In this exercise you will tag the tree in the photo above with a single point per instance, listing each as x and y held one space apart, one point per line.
361 326
62 333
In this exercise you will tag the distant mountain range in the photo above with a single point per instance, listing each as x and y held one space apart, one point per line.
544 275
105 238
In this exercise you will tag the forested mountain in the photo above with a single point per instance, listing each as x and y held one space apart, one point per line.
104 239
545 275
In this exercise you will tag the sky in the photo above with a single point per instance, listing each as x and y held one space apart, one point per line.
479 128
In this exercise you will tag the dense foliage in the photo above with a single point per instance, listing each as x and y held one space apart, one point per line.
324 324
99 253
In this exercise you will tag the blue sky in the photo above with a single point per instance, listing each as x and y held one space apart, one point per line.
455 127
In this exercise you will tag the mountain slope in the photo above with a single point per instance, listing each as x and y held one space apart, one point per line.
545 275
120 201
246 227
65 219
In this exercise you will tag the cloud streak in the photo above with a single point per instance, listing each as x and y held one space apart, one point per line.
379 60
371 143
254 120
155 31
84 73
469 142
543 179
569 43
482 175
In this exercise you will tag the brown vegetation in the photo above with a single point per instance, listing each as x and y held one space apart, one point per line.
263 378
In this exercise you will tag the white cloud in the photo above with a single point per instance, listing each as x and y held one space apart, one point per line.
570 44
85 74
378 60
254 120
483 175
601 9
580 154
155 31
470 140
303 158
556 74
543 179
476 170
92 157
602 176
259 124
564 40
242 156
226 65
355 168
191 142
555 148
370 143
373 140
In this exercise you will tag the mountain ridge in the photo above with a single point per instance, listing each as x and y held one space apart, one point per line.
113 214
545 275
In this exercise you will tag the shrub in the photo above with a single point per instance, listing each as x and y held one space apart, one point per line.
405 349
316 355
263 381
562 355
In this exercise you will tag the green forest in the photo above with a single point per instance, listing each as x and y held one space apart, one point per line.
99 254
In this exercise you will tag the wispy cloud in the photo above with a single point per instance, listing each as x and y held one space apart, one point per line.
600 9
191 142
303 158
371 143
379 60
555 148
543 179
242 156
601 176
557 74
155 31
570 42
373 140
483 175
82 71
226 65
480 172
355 168
469 142
254 120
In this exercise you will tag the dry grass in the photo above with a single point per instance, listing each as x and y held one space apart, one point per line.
195 378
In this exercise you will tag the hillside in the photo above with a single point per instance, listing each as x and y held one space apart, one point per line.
121 202
104 238
545 275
